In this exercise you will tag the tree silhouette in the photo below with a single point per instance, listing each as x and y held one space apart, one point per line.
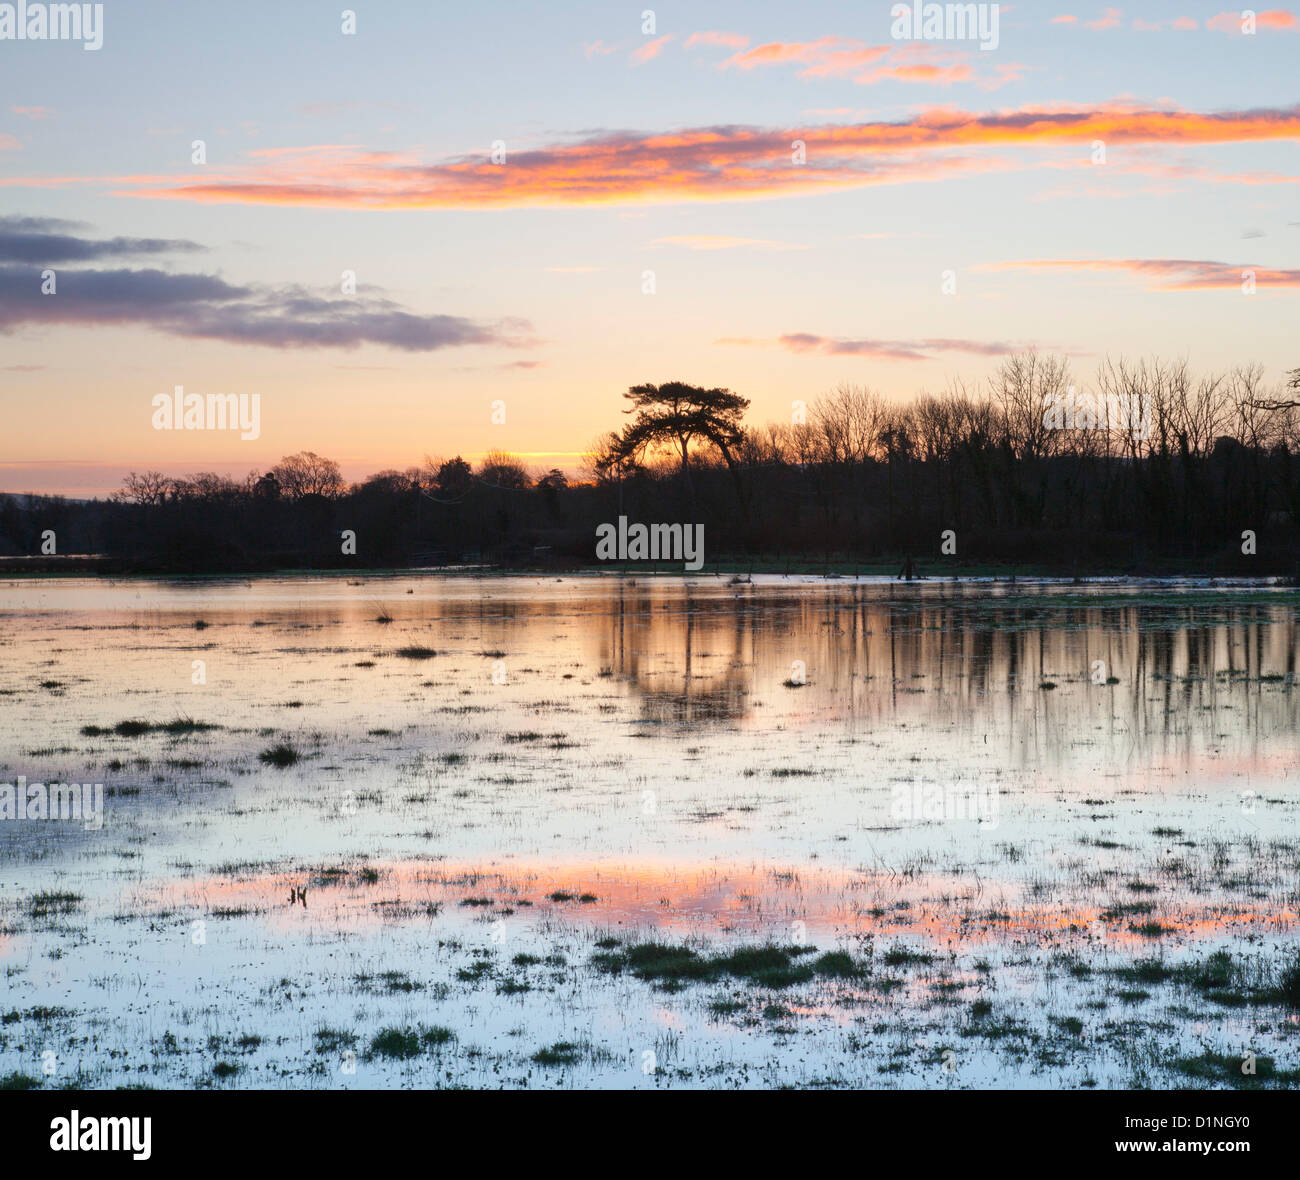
675 415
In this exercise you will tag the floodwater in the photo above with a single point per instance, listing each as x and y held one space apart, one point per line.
976 834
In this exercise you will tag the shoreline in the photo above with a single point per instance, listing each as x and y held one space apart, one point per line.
739 570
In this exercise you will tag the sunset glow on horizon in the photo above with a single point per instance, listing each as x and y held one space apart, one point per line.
400 235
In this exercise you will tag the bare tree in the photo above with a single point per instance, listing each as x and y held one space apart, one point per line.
308 474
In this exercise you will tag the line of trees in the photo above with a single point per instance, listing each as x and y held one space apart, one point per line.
1144 464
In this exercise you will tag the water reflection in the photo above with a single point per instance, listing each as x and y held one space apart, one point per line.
1152 680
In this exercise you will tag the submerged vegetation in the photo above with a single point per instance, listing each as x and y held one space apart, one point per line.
626 855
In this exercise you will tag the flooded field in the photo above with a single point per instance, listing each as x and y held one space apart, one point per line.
598 831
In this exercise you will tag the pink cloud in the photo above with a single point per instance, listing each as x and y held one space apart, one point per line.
1109 20
1274 18
1167 274
651 49
726 40
880 350
867 65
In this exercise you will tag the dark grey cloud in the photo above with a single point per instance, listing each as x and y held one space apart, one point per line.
204 306
47 241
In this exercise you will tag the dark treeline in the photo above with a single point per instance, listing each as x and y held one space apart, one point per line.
1146 466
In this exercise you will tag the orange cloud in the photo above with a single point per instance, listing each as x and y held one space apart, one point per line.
867 65
1110 20
1168 274
696 164
727 40
651 48
1273 18
825 57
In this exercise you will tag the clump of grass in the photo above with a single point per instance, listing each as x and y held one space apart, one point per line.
42 905
225 1069
1146 971
401 1044
560 1053
1289 986
1235 1071
901 956
39 1014
837 965
764 965
391 982
725 1007
334 1040
1214 972
134 727
1152 929
19 1081
415 652
475 972
280 755
186 725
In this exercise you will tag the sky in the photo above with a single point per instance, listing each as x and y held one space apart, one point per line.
542 205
